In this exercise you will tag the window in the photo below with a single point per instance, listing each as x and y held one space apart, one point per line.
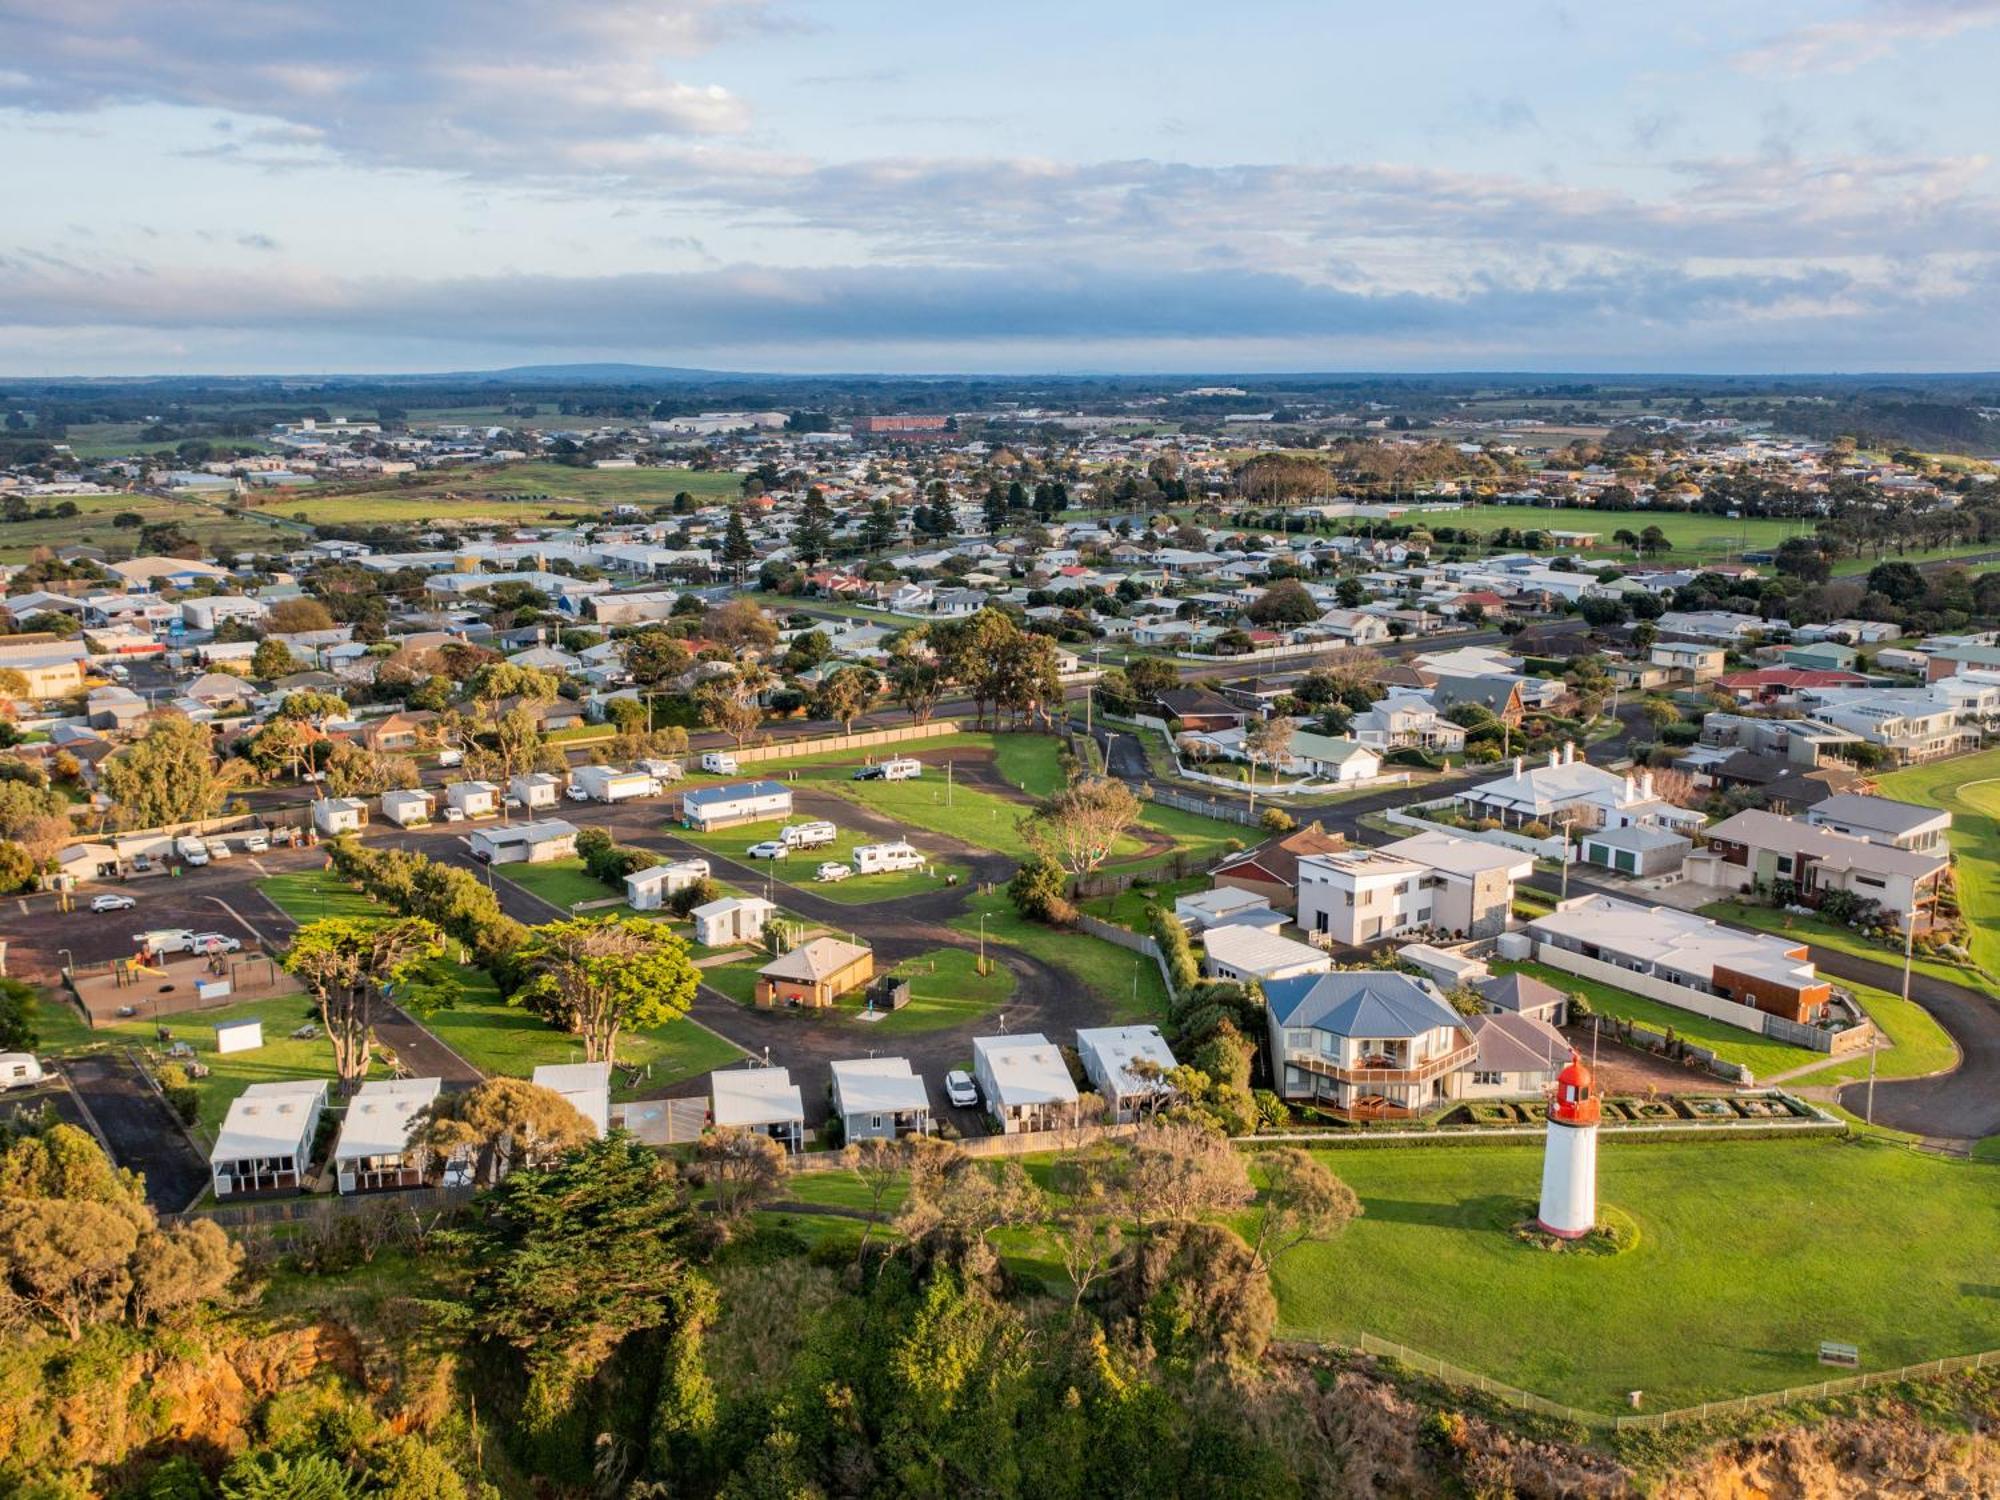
1350 898
1298 1041
1488 1080
1784 864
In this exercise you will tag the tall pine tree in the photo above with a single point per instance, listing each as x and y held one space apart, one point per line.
737 553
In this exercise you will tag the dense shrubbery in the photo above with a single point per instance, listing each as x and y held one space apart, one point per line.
456 900
1175 948
609 861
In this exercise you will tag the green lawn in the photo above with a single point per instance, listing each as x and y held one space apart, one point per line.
1968 787
498 1038
1749 1254
1695 538
1913 1043
93 526
1204 839
946 989
561 882
1760 1054
279 1059
1033 762
1832 935
1129 983
1129 907
841 1190
737 980
797 869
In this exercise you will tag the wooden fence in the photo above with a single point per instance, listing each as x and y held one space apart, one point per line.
868 740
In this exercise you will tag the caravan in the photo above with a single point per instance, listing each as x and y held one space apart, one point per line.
808 835
875 859
906 769
718 762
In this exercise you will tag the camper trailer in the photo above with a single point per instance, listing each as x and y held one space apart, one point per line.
815 835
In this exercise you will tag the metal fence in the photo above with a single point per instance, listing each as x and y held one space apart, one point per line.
1451 1374
1208 807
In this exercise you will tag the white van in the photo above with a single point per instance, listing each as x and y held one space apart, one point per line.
718 762
191 850
808 835
166 940
874 859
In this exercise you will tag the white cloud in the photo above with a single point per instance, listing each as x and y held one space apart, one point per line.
1878 32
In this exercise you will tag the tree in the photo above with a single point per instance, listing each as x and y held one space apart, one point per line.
1302 1200
737 551
565 1262
845 694
502 1123
1183 1170
1653 541
1080 826
1898 582
730 704
19 871
295 616
878 1166
812 537
654 656
879 528
1149 677
1088 1193
740 625
352 771
1040 891
1286 602
272 659
19 1005
916 680
168 775
1269 741
349 965
955 1202
594 976
973 653
741 1168
281 745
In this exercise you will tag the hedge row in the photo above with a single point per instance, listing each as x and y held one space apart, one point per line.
456 900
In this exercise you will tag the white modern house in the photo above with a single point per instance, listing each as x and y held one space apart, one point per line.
1571 790
879 1098
1024 1081
733 919
1360 895
1883 820
587 1086
648 889
1116 1060
265 1145
373 1149
764 1100
1471 882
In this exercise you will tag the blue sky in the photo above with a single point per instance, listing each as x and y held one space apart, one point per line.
194 185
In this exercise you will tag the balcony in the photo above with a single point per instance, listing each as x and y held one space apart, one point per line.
1423 1071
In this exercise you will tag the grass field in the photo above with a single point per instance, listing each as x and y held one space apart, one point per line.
1129 907
92 526
1761 1055
1914 1044
1127 982
516 493
279 1059
1749 1254
945 990
1694 537
498 1038
560 882
1968 787
797 869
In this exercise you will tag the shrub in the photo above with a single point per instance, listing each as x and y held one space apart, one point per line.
1172 936
1277 820
1040 892
688 897
181 1094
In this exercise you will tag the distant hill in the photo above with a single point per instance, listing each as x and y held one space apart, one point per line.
606 374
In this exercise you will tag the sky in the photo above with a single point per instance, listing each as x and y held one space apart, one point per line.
258 186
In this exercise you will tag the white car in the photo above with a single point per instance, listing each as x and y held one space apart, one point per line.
960 1089
833 869
576 794
769 849
219 850
454 815
256 843
112 903
217 942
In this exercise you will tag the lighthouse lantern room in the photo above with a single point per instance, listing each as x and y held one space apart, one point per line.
1569 1164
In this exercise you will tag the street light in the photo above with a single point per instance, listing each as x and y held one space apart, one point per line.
69 959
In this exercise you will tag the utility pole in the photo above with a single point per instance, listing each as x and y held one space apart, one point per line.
1875 1035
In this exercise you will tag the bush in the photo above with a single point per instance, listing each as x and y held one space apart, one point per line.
1172 936
1277 820
1040 892
183 1098
688 897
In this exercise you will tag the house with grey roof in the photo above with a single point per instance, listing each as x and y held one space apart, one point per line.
1365 1044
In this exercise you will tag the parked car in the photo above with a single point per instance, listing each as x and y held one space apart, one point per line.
142 864
454 815
868 773
166 940
769 849
576 794
256 843
112 903
219 850
217 942
833 869
451 757
960 1089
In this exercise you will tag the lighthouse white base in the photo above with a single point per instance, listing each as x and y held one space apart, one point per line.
1569 1181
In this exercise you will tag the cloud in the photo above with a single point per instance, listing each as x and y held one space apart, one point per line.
1878 32
500 86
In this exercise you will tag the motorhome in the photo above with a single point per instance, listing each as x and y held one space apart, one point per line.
874 859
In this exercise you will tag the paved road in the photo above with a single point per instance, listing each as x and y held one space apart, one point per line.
141 1130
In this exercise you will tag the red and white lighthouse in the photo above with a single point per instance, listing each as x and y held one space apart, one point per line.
1569 1164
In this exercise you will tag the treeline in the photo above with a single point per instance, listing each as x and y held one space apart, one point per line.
456 900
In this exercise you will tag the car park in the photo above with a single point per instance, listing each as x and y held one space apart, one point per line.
960 1090
769 849
112 902
832 870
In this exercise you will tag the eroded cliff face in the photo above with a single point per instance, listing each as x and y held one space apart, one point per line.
1885 1457
91 1406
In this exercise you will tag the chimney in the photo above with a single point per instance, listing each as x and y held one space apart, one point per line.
1631 792
1517 765
1569 752
1555 758
1646 784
